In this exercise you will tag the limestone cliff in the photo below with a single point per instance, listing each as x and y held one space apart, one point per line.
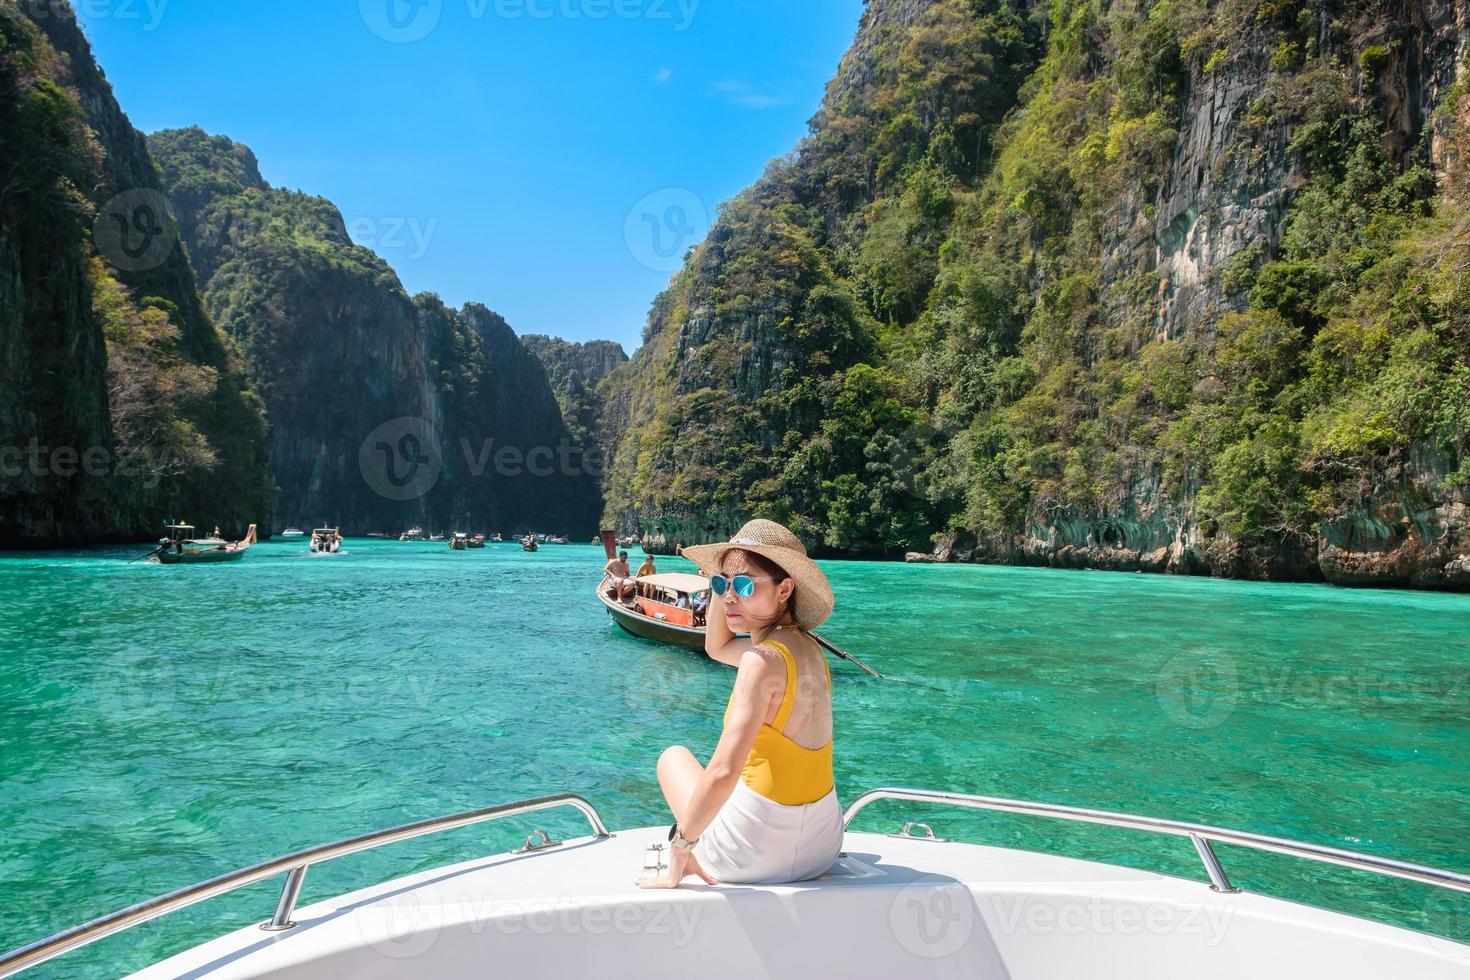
121 405
1160 286
385 410
576 372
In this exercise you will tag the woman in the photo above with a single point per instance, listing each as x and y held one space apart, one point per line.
765 808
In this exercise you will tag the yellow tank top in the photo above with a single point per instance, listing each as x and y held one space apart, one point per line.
781 770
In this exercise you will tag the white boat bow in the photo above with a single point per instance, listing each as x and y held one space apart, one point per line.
895 905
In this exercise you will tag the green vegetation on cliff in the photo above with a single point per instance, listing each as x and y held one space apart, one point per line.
1157 284
575 371
121 404
348 364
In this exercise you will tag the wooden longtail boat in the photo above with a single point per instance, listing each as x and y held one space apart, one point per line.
659 611
182 548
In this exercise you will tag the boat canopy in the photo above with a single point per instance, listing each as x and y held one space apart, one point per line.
681 582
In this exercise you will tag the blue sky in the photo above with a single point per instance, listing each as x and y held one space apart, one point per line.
549 158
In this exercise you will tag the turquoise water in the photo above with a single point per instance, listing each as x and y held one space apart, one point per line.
162 725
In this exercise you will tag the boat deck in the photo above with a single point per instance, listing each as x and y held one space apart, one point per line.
891 907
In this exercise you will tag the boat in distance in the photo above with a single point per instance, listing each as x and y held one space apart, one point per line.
326 540
907 903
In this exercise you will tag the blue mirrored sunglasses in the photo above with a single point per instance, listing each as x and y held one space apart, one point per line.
744 584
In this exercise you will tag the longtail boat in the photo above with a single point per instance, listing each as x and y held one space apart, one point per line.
663 608
180 547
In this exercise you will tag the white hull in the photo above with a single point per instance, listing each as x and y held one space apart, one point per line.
893 908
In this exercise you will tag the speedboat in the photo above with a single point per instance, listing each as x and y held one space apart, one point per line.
412 534
293 532
326 540
903 903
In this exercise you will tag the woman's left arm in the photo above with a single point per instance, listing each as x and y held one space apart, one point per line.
748 710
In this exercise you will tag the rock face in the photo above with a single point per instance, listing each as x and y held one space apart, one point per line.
1124 285
386 411
121 405
571 365
576 372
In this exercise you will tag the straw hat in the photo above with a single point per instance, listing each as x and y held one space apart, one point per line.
814 599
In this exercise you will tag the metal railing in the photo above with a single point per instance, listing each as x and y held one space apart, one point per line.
1200 835
294 866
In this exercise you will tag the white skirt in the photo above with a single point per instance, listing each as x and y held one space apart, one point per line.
756 841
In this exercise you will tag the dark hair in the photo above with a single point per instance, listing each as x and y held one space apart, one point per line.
765 566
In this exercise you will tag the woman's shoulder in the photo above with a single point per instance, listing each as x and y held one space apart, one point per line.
764 654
